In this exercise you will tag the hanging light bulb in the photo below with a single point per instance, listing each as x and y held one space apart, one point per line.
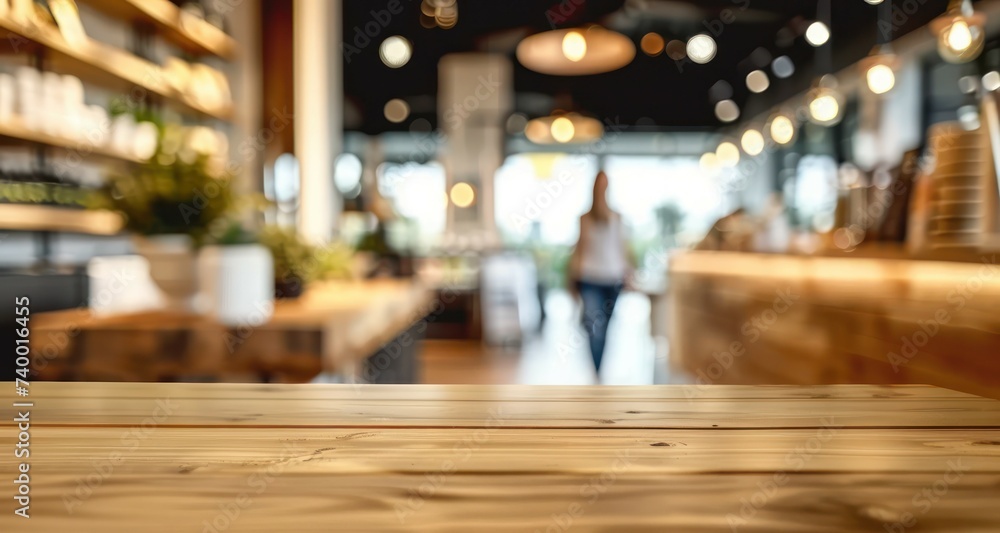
825 103
880 70
727 154
752 142
960 32
781 128
574 46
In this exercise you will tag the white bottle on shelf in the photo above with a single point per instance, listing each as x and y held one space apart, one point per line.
29 100
8 95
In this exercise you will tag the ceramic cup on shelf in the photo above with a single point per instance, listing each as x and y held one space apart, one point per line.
173 267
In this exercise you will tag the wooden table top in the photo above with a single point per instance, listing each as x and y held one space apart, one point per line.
294 458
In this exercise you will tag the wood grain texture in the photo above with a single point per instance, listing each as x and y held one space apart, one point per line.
845 320
268 458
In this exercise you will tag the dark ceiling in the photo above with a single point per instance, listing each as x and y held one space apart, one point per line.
651 92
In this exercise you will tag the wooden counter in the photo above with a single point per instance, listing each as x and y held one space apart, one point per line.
274 458
331 329
775 319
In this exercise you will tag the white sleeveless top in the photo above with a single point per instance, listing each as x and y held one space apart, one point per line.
603 258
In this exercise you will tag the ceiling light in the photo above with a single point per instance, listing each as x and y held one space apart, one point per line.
757 81
817 34
701 48
727 154
652 44
881 78
676 50
825 102
873 2
564 128
781 129
752 142
960 32
462 194
396 110
991 80
576 52
574 46
395 51
879 70
727 111
783 67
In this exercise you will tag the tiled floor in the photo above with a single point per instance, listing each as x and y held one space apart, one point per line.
558 355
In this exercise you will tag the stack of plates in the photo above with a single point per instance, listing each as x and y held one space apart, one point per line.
961 163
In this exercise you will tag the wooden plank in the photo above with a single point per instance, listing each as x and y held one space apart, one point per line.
272 498
609 412
25 217
239 450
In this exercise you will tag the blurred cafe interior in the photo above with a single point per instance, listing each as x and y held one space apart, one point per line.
299 191
369 227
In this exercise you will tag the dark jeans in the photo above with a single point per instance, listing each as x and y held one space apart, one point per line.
598 303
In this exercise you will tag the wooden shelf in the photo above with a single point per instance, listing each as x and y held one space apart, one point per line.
22 217
190 33
105 65
16 131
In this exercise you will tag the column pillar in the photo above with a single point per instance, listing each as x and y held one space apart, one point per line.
319 102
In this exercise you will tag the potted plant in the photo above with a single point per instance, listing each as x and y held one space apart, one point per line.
298 263
169 203
237 274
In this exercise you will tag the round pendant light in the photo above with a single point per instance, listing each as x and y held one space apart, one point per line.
880 72
576 51
567 128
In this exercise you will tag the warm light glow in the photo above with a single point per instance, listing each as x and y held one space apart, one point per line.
959 36
782 129
961 32
728 154
701 48
824 108
652 44
396 110
824 102
709 161
757 81
817 34
873 2
395 51
574 46
563 130
752 142
881 79
463 195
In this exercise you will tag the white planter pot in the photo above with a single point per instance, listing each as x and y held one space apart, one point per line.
172 267
237 284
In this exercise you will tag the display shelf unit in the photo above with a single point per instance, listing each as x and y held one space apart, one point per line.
104 65
188 32
17 132
25 217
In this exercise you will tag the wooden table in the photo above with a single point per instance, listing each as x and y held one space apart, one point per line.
331 329
295 458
